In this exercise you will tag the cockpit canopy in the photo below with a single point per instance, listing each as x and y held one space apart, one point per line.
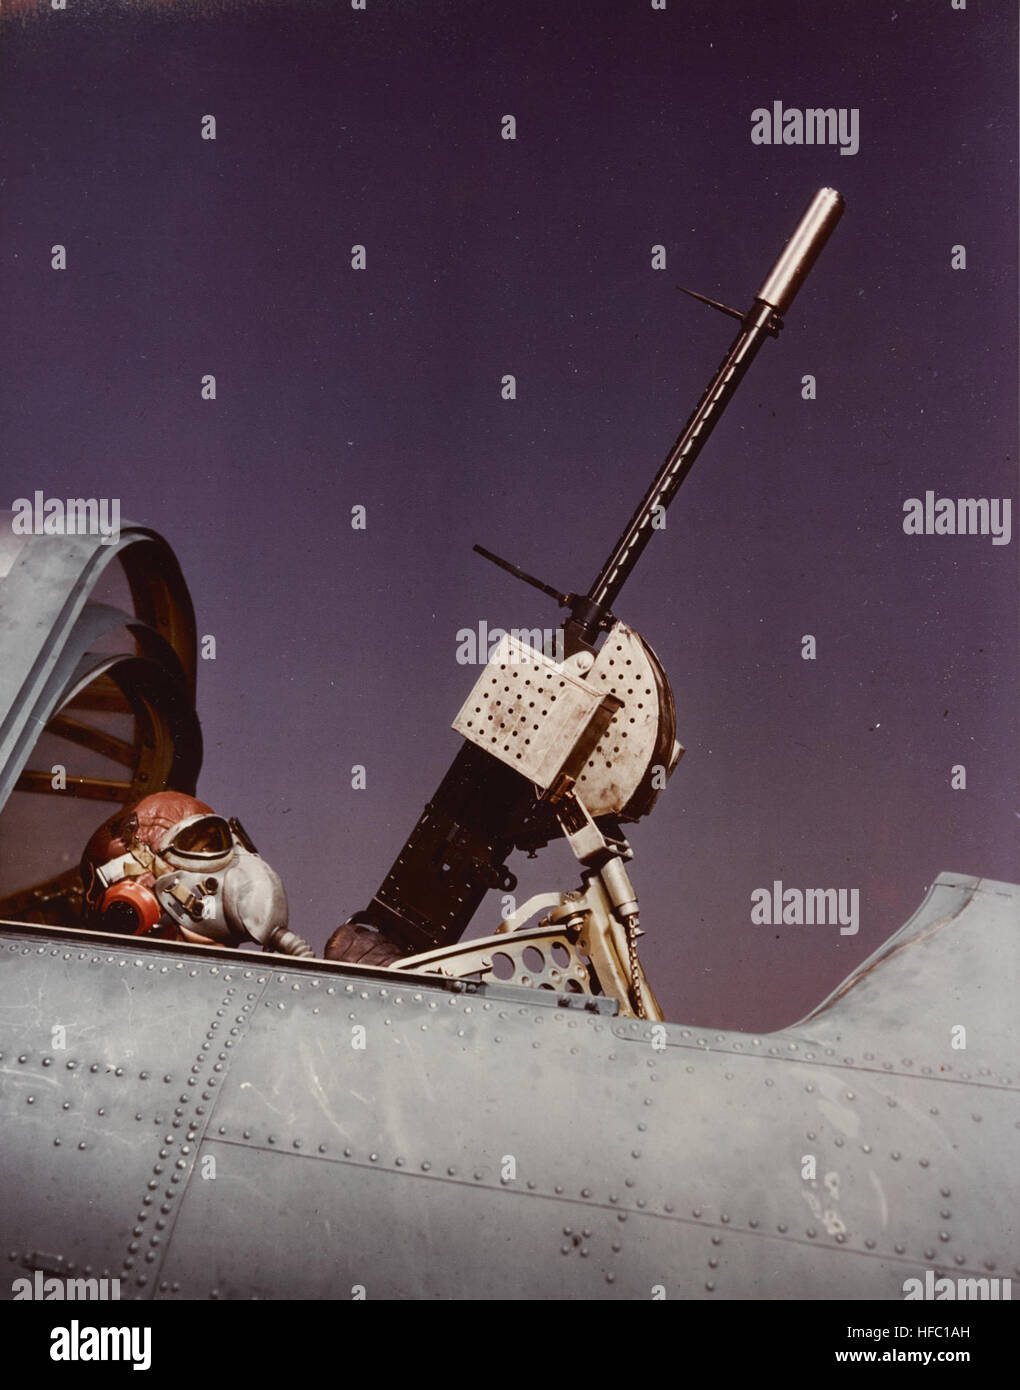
97 700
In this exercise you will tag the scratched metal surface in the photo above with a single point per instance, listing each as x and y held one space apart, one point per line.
386 1166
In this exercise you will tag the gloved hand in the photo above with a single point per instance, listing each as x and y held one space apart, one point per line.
361 946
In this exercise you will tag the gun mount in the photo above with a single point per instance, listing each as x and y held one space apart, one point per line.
571 748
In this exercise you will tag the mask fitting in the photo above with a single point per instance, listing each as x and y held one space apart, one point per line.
128 907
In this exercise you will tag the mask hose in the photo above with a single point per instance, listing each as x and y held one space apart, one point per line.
288 943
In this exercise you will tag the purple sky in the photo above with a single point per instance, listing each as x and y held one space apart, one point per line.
336 387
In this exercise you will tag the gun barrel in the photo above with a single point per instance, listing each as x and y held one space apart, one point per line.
802 250
760 321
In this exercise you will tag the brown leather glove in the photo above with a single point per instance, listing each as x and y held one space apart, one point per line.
361 946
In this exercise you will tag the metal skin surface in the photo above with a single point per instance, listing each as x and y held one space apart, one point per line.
497 1142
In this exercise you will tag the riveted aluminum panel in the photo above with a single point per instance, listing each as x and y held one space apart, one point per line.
412 1075
93 1130
643 1155
906 1169
955 962
339 1230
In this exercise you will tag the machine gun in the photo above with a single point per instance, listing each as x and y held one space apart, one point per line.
571 748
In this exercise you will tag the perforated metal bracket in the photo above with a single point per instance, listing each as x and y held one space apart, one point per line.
603 720
535 714
579 948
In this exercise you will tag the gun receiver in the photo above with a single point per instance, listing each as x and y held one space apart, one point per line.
505 791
